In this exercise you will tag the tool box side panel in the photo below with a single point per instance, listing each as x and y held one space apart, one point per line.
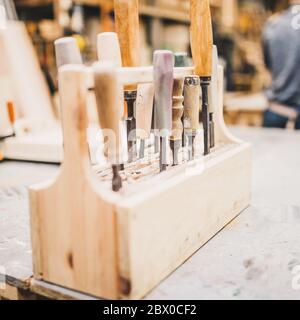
164 231
74 238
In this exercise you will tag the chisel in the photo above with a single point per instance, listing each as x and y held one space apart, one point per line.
212 96
107 89
181 60
67 52
191 111
177 113
108 49
163 68
156 138
202 44
127 28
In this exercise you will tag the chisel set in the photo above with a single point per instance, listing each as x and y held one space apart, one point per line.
174 175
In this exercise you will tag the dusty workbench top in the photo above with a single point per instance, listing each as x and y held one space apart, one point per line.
252 258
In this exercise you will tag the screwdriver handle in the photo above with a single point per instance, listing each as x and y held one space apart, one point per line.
213 88
108 48
127 27
201 35
177 110
191 104
107 91
163 65
11 112
67 52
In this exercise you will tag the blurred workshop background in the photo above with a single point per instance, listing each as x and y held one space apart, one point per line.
238 26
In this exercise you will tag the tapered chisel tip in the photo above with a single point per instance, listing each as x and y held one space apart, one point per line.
116 180
175 147
142 149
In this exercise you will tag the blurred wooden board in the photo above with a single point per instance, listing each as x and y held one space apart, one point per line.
245 109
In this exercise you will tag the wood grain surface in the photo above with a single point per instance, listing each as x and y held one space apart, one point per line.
177 109
163 62
201 35
127 27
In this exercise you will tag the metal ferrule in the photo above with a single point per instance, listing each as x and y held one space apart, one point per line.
192 81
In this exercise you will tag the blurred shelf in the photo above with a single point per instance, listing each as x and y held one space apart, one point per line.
164 13
145 10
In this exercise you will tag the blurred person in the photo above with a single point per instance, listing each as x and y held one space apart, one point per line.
281 44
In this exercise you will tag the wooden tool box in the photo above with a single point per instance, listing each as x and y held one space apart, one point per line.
121 245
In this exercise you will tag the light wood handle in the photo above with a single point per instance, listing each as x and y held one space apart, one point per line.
191 104
127 27
67 52
213 88
201 37
144 109
73 102
163 63
108 48
177 110
107 91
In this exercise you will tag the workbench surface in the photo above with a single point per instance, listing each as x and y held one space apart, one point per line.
257 256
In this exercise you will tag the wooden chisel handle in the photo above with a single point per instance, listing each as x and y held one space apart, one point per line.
144 109
127 27
163 64
107 90
201 35
177 110
108 48
191 104
67 52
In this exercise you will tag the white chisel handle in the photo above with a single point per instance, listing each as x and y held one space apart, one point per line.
163 64
67 52
144 109
108 48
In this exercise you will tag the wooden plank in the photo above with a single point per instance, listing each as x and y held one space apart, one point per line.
55 292
12 292
164 229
